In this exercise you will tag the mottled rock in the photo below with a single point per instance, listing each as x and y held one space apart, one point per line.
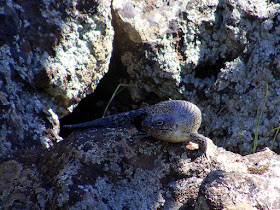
51 55
119 168
219 55
254 184
229 190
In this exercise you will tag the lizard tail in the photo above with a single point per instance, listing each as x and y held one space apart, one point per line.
135 117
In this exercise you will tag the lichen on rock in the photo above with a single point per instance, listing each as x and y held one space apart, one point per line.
52 55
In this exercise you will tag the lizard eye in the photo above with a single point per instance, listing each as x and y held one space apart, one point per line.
159 122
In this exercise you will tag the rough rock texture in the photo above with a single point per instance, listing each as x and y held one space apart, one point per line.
229 188
52 53
217 54
119 169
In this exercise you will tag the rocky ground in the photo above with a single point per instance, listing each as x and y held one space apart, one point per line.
224 56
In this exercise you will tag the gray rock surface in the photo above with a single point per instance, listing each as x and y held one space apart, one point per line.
219 55
118 168
51 55
230 189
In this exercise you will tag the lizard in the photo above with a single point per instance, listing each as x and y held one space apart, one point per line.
171 121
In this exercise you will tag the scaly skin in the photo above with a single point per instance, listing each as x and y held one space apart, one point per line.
113 121
172 121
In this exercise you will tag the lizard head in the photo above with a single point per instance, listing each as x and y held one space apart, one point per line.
167 127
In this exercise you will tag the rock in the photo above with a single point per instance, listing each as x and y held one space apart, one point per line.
119 168
255 188
219 55
51 55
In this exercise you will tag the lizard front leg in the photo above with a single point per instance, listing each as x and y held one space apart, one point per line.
205 144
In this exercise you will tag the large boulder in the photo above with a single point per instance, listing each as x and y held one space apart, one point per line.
52 54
